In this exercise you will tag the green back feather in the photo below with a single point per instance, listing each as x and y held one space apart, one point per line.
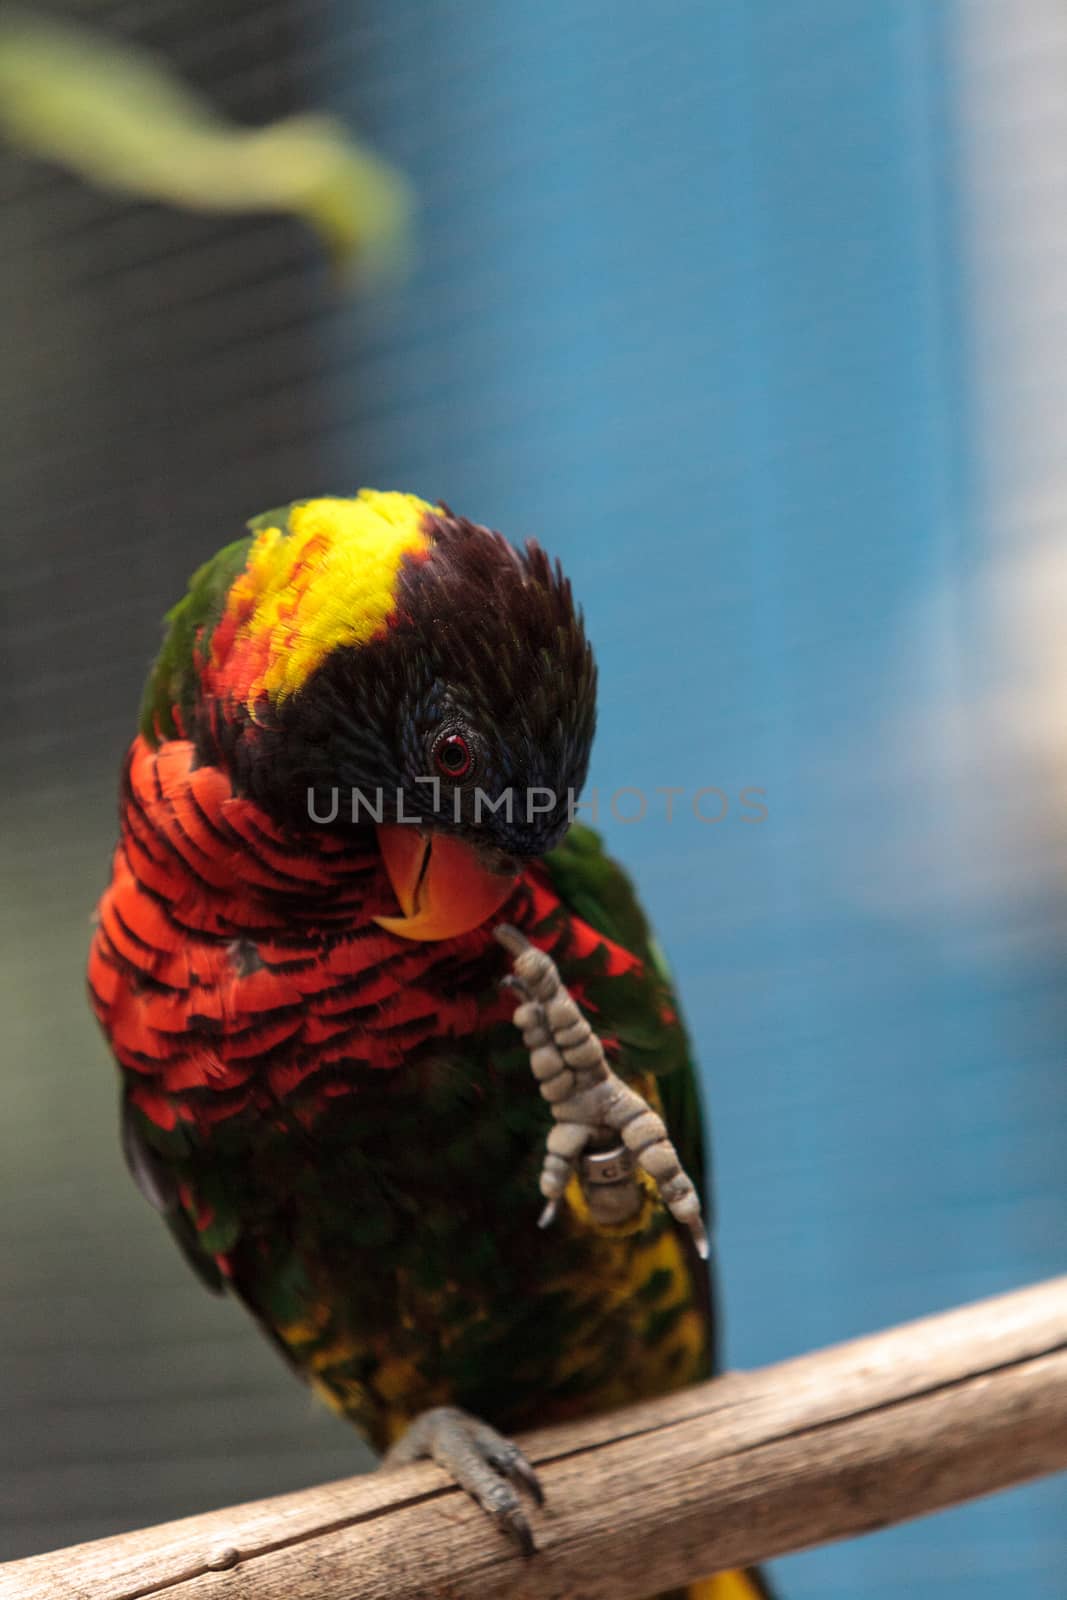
174 678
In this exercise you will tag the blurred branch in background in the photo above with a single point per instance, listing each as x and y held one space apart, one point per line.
117 116
723 1474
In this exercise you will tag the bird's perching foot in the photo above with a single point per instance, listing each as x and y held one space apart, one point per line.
588 1100
482 1461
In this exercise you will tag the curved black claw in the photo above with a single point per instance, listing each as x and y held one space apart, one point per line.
480 1460
507 1458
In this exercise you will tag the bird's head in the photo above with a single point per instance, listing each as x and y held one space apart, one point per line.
381 660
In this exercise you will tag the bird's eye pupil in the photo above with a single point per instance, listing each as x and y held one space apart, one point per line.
452 755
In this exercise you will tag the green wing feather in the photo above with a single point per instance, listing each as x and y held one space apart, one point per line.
158 1184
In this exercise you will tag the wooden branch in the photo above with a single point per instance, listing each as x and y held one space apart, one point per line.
725 1474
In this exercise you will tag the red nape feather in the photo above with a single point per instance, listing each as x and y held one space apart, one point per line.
233 965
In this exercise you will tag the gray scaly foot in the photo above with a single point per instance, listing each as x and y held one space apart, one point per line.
481 1461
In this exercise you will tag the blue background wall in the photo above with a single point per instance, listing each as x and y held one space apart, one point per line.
691 308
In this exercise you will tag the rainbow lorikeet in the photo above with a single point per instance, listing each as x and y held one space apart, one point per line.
323 1089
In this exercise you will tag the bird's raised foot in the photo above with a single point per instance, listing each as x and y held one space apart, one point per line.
482 1461
591 1104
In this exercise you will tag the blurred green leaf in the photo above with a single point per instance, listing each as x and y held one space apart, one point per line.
116 115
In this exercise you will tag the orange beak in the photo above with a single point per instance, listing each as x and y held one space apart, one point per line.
443 887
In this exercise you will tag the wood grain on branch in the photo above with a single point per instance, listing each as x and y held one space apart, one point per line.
724 1474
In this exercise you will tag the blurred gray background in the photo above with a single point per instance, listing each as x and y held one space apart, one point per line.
160 382
714 300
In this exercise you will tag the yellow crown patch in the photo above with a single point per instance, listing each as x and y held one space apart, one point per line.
328 578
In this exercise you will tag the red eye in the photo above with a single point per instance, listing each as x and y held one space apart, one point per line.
452 756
